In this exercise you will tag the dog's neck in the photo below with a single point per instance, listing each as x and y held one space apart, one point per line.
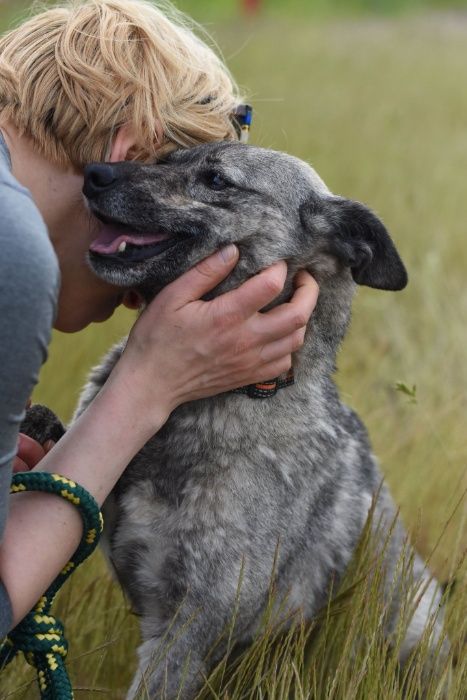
327 327
329 321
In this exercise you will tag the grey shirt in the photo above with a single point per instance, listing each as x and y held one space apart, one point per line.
29 281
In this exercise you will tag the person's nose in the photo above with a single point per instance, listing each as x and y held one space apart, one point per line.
98 177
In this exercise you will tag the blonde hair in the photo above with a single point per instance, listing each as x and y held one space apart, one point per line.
73 74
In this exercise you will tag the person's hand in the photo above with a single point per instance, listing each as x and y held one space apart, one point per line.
29 453
182 348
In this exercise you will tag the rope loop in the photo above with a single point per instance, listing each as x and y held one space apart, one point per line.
39 635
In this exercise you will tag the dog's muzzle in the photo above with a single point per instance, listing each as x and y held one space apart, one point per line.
116 241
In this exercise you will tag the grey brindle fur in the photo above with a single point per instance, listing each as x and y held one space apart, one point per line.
228 480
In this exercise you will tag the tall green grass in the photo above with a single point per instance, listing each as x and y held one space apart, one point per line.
379 107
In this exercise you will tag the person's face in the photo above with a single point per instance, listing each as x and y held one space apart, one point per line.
57 193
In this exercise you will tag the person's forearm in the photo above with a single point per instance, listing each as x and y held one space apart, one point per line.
103 440
43 531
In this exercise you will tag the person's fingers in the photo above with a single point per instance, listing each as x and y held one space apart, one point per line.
286 318
305 295
48 445
19 466
284 346
203 277
275 368
279 322
29 450
132 299
253 294
268 370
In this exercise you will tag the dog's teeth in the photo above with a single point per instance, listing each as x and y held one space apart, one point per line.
122 247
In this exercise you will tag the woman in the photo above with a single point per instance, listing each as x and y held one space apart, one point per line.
92 81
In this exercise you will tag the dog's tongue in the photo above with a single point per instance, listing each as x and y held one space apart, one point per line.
110 238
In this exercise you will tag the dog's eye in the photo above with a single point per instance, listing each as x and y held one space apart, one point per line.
216 181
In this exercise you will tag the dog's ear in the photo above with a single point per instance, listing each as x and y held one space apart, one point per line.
358 239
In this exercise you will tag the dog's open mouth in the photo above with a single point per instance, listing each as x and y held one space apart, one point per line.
116 242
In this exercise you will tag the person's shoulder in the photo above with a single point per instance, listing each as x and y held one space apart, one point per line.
24 239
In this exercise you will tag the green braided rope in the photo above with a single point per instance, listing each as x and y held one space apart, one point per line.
39 635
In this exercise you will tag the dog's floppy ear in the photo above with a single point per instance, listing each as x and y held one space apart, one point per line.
356 237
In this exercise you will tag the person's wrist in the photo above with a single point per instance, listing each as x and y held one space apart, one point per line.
146 403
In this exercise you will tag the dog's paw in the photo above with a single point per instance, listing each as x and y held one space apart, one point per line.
41 424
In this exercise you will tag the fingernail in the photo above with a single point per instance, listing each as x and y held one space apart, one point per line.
228 253
48 445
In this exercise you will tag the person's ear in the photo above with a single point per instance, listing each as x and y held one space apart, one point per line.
123 142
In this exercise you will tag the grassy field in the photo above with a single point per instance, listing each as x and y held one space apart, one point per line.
377 105
226 9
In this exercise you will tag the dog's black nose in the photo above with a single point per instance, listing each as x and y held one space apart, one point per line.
97 178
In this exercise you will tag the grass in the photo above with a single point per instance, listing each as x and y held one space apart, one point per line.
228 9
377 106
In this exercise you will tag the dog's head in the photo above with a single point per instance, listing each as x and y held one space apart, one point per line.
159 220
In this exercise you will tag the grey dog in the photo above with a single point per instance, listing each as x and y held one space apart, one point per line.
233 485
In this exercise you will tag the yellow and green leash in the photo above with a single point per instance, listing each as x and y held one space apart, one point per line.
39 635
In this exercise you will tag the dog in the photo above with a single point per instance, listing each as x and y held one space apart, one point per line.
272 478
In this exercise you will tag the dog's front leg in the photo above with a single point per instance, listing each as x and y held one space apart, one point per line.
169 667
217 603
175 662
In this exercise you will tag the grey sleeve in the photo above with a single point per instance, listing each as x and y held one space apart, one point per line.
29 280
